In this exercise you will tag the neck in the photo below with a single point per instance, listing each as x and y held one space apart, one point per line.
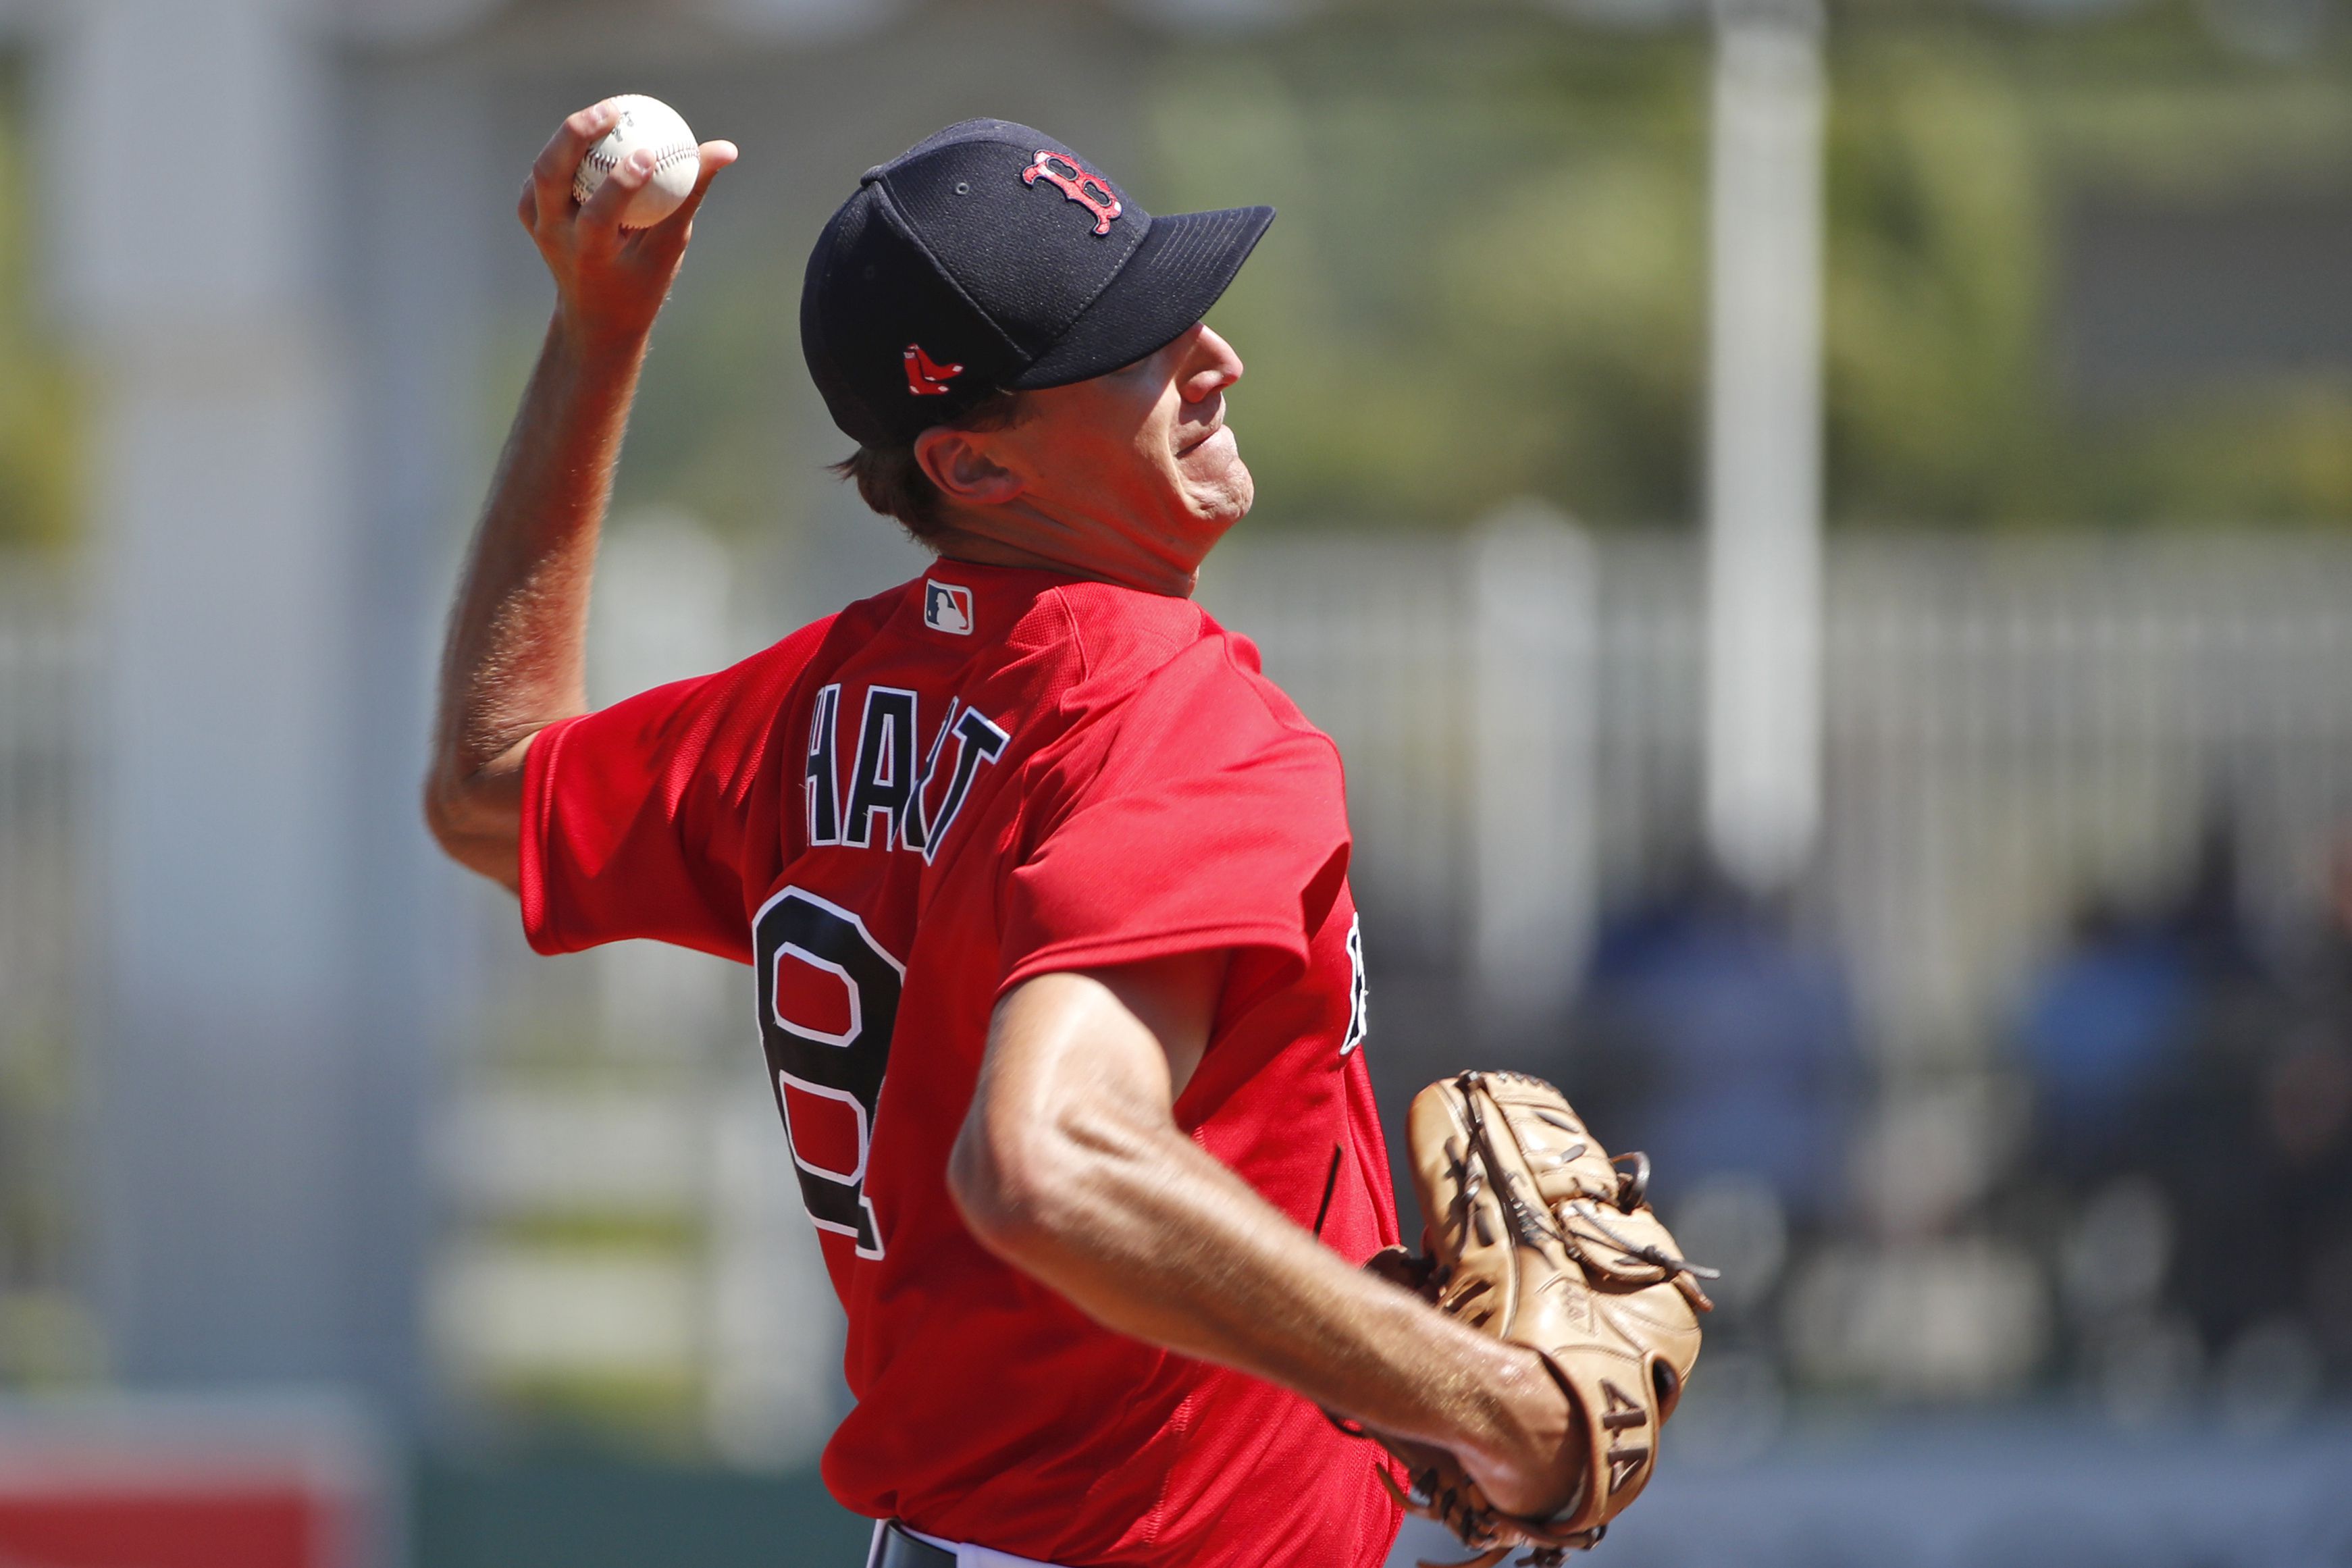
1106 550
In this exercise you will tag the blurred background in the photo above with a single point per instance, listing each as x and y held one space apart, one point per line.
1825 537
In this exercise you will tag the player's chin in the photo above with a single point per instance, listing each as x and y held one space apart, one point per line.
1217 483
1226 501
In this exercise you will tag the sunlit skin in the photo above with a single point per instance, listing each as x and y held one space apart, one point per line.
1070 1165
1131 476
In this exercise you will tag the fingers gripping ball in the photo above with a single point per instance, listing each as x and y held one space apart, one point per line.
1536 1235
649 123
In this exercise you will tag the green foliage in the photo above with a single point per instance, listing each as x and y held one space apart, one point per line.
1956 154
1488 277
40 399
1935 396
1486 280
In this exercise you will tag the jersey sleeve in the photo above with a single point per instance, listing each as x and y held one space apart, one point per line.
635 817
1217 820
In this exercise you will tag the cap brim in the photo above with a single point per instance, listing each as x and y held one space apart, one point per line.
1185 262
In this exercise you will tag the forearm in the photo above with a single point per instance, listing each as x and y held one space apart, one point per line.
515 661
515 658
1155 1239
1070 1168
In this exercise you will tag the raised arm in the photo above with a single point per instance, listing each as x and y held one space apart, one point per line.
513 663
1070 1167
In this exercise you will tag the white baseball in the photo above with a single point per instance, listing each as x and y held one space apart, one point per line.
650 123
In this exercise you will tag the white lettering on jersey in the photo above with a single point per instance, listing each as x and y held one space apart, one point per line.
884 782
977 741
824 811
1360 1002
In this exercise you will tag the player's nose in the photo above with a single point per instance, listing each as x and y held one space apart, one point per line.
1209 364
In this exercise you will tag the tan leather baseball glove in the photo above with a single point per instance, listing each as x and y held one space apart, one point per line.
1537 1236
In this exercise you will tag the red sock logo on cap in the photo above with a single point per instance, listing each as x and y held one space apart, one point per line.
926 377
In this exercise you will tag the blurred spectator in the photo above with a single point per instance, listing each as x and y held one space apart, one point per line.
2193 1123
1714 1039
2115 1030
2101 1027
2299 1114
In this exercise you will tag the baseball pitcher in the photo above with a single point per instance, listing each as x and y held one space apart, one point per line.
1044 887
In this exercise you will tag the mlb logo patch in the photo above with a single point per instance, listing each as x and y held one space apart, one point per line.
947 607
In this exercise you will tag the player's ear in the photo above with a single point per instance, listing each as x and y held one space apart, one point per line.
960 464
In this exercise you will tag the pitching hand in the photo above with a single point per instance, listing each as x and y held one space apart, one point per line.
609 282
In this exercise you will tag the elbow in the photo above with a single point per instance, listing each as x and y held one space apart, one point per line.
449 813
473 831
440 812
1016 1186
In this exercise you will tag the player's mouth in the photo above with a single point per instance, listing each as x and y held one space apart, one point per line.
1197 442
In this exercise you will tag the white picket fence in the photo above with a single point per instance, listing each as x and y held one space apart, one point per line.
2011 726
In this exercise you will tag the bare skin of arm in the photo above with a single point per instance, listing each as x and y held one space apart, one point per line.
514 660
1070 1166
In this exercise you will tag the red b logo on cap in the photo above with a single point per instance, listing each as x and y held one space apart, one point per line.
1091 191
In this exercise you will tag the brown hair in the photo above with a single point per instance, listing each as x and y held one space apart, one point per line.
893 483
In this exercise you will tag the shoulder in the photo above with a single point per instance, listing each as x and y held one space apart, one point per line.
1134 642
751 690
1196 692
1122 636
1220 670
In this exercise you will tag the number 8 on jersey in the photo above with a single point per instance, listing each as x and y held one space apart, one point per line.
828 1001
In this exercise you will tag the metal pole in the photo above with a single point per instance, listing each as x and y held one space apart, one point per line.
1764 442
1534 601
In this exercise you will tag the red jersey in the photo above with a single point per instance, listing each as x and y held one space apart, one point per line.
893 815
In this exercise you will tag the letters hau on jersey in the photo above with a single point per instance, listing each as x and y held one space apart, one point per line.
897 813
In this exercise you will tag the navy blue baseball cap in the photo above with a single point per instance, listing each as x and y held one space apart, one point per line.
991 257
